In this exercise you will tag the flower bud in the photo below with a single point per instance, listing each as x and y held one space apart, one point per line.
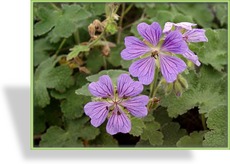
105 50
91 30
98 25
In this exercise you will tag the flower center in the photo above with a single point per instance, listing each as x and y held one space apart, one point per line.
154 54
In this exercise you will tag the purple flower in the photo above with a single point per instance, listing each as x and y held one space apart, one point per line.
178 26
115 103
155 52
189 35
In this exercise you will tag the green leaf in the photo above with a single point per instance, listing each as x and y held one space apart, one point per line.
172 133
59 78
83 90
221 12
137 126
57 137
161 116
76 50
203 89
152 134
71 104
113 74
203 15
48 18
41 50
94 61
182 18
71 136
95 8
214 52
163 16
63 21
195 139
39 121
104 139
217 122
126 63
48 76
115 57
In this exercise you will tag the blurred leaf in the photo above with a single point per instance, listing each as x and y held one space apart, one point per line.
115 57
218 123
39 121
94 61
193 140
161 115
126 63
205 96
113 74
95 8
221 12
203 15
172 133
182 18
137 126
76 50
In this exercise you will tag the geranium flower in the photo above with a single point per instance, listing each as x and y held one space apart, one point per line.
189 35
115 103
154 51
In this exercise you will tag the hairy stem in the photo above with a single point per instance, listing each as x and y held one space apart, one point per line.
153 86
123 13
77 37
60 46
104 62
55 7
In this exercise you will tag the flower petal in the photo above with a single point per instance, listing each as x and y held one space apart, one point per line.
174 43
152 33
134 48
118 122
171 66
168 26
137 105
195 35
97 111
126 87
102 88
191 56
184 25
143 69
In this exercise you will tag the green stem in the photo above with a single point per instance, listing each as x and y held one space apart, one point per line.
153 86
77 37
55 7
203 121
60 46
120 23
123 13
104 62
97 39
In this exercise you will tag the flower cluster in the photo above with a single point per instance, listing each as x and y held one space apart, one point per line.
158 48
116 103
